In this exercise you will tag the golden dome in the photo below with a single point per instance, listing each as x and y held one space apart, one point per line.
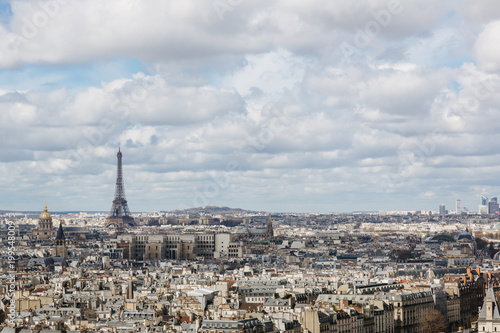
45 215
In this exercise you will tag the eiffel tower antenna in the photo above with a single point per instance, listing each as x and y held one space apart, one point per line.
119 215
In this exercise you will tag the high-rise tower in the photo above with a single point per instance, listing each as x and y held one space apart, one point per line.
483 207
442 210
119 216
493 207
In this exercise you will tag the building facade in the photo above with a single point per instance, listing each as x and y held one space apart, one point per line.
489 316
179 246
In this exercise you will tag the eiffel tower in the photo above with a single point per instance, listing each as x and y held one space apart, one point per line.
119 215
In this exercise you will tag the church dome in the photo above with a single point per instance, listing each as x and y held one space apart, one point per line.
464 235
443 238
45 215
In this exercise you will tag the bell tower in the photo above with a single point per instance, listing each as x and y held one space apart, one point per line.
61 250
269 227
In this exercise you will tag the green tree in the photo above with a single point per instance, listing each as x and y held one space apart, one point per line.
481 243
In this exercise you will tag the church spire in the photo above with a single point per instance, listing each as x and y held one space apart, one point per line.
61 250
60 233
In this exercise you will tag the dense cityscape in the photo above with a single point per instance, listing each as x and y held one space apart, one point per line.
217 269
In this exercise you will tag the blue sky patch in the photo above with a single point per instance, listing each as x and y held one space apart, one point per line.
75 77
5 12
456 86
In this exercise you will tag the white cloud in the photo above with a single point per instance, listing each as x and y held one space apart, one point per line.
194 31
263 86
487 48
272 73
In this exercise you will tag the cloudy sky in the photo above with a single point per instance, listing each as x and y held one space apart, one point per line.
303 106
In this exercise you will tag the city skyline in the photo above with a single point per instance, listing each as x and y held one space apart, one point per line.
280 107
441 209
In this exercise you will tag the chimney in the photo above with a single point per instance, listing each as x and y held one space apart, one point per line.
343 303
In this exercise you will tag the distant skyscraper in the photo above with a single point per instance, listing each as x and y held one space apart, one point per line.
442 210
119 216
493 207
483 207
459 207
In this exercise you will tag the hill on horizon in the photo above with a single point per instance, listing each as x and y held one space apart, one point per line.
215 210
